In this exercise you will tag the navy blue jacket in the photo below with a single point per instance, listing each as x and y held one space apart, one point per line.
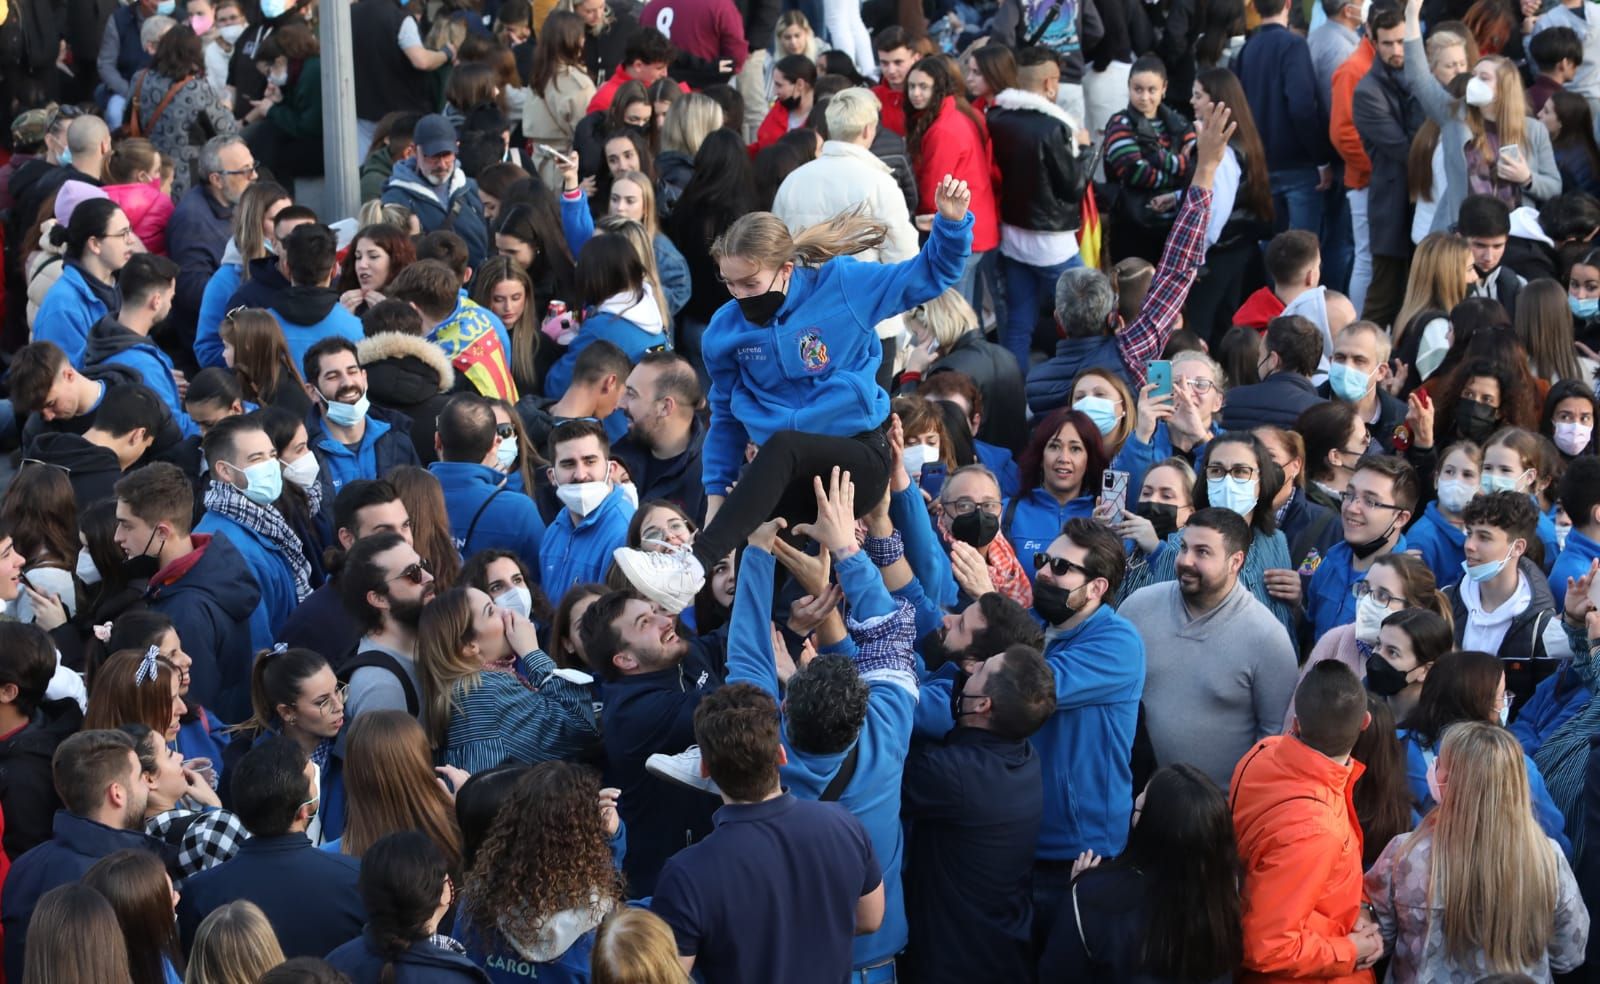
309 895
321 623
362 961
197 235
1277 400
676 479
972 805
644 714
1050 382
511 522
210 600
1291 113
76 845
385 445
464 215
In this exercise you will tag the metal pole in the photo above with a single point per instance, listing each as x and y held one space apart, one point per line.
341 157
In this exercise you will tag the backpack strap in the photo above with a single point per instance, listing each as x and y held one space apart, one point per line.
1009 514
478 515
382 660
841 779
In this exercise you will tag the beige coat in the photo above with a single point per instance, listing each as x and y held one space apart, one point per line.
551 116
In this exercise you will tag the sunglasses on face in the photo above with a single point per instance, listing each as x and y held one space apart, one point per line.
1059 566
419 573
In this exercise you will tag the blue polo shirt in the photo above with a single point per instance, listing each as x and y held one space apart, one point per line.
771 894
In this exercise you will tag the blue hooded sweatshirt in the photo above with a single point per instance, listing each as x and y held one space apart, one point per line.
580 554
511 522
633 340
271 571
309 314
214 307
577 223
814 367
384 446
111 341
1329 603
1442 546
69 312
873 793
1574 562
1034 521
1544 808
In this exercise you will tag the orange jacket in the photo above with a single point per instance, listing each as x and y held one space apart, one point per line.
1301 848
1342 124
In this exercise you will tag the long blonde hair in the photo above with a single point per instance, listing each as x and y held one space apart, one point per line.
1494 872
235 944
443 634
525 333
1510 105
692 118
1438 278
763 239
640 239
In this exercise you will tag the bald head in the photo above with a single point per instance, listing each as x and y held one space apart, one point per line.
88 138
1340 311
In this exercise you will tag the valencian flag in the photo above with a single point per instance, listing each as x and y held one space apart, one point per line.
479 349
1091 234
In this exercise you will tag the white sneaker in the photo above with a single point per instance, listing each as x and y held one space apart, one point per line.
671 580
682 768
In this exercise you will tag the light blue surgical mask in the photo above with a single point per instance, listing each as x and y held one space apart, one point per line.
165 8
1501 483
1487 570
264 482
347 414
66 157
1100 410
506 454
1585 307
1347 383
1236 494
273 9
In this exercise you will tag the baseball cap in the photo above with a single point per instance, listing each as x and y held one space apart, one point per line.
434 135
28 129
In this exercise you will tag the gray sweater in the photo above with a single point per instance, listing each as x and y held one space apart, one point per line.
1214 685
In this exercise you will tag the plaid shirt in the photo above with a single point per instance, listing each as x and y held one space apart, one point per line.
1169 288
211 837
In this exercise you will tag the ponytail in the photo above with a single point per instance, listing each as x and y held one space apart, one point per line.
275 679
402 877
764 239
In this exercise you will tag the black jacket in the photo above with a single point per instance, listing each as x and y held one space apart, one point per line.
411 376
602 53
1387 117
27 787
994 370
1034 149
170 444
1522 651
676 479
1391 414
1108 909
309 895
323 625
92 469
973 804
890 148
262 289
1277 400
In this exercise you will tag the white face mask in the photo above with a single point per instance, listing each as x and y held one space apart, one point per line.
1479 92
516 599
1434 789
505 456
303 471
1454 494
915 457
86 571
232 32
583 498
631 492
1369 618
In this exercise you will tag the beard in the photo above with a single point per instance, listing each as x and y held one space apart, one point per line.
934 651
408 613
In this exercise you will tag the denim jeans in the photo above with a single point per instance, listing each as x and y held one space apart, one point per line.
967 286
1361 270
1296 199
1338 251
1027 289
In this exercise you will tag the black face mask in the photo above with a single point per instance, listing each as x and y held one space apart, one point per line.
1383 679
762 308
791 104
1053 602
1476 421
1162 515
146 565
977 528
1364 550
957 695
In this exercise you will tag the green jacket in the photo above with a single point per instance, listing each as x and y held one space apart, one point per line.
300 113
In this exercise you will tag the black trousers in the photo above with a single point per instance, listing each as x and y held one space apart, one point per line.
778 483
1230 274
1387 290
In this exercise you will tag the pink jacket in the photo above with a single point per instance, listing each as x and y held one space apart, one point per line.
148 210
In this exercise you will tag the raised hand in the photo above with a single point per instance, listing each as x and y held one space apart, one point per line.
767 533
1578 602
835 527
952 198
1217 128
810 611
1151 410
971 569
810 571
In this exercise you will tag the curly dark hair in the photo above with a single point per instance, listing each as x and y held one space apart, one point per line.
827 704
1513 512
546 852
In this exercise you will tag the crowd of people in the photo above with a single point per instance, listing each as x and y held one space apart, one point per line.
947 492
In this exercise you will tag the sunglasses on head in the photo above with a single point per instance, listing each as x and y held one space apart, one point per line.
1059 566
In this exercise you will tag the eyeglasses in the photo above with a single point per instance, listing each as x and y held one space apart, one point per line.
252 168
48 464
964 505
1059 566
505 431
1367 500
333 702
126 235
1362 589
673 527
419 573
1243 473
1199 384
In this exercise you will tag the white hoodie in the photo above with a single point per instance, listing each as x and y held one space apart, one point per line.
640 308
